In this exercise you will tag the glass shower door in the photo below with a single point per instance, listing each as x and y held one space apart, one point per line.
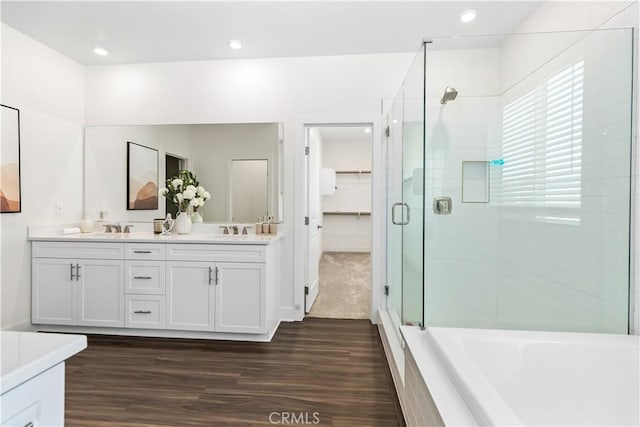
405 191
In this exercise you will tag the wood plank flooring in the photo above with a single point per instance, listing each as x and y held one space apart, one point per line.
333 368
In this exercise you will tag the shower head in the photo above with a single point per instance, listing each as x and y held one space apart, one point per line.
450 94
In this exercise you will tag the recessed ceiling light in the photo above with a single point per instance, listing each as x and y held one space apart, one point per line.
468 15
367 130
235 44
102 51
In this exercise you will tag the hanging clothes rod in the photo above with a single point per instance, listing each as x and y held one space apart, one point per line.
358 172
348 213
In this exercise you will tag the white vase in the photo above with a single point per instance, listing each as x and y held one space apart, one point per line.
183 223
196 217
86 225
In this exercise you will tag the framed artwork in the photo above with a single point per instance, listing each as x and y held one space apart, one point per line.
10 197
142 177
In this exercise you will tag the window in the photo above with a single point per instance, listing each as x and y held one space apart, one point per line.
542 143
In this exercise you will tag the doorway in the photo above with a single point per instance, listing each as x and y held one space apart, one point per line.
339 232
173 165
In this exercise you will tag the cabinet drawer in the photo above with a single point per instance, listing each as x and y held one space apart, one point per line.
145 311
148 251
84 250
213 253
144 277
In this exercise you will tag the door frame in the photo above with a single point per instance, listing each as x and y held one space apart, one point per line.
377 204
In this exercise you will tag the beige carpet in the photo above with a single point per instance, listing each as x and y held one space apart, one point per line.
344 290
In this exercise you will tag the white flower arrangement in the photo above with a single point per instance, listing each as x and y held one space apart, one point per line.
185 191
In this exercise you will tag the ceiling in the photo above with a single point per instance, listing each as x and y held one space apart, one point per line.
161 31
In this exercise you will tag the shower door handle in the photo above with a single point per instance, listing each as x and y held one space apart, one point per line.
393 213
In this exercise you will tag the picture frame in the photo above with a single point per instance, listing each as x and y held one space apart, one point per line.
142 177
10 177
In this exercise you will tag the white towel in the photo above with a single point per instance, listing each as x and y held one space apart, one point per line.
69 230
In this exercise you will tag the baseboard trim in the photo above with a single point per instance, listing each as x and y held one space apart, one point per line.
288 314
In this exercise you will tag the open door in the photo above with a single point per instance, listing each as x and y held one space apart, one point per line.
314 215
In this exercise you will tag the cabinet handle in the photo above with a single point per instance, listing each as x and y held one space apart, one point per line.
72 275
217 275
29 424
142 312
78 276
141 252
142 277
210 271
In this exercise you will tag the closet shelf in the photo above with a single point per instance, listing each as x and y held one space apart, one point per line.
353 172
348 213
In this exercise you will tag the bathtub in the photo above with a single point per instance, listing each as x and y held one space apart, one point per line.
503 377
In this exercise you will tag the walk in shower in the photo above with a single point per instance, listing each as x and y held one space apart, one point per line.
509 182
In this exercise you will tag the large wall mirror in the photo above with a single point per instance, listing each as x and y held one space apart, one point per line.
240 165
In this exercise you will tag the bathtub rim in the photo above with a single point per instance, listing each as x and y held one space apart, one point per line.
453 410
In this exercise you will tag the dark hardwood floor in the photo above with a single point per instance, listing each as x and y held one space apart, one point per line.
323 372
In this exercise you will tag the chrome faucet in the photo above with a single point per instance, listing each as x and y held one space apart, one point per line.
117 228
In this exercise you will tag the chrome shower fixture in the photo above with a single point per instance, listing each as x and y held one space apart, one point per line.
450 94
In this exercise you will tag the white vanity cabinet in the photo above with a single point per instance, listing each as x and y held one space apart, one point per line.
223 290
77 290
195 288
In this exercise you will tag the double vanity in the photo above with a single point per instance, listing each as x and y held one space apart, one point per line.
211 286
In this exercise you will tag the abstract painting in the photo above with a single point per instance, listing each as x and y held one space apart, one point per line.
10 200
142 177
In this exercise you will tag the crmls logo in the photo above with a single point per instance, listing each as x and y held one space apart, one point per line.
294 418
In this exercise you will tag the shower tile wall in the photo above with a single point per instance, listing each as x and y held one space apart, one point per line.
461 248
533 267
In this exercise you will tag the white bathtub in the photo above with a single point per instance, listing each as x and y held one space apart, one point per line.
530 378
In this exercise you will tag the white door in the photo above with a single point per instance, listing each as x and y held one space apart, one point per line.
240 297
100 292
53 292
314 236
190 295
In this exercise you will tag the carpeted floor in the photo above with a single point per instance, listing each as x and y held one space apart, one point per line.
344 286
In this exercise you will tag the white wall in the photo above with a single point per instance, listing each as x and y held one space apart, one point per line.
247 91
48 89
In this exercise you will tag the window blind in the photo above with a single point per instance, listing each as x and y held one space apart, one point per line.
542 142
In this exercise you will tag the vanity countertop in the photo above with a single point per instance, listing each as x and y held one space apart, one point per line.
27 354
149 237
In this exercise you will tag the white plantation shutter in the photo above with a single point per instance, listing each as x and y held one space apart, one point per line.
542 143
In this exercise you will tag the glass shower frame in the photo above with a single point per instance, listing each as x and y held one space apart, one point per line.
613 50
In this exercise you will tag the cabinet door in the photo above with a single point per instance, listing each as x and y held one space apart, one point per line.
53 294
101 293
189 287
240 298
